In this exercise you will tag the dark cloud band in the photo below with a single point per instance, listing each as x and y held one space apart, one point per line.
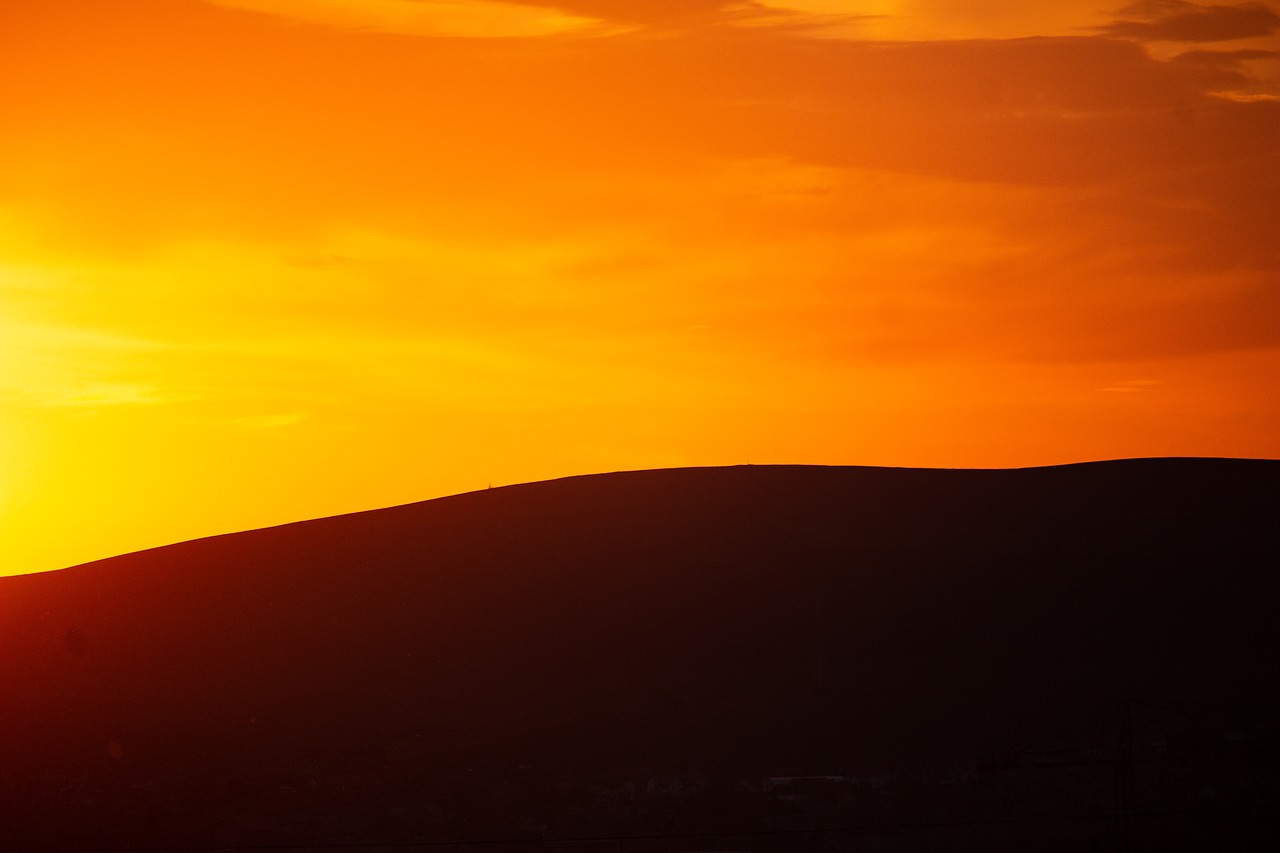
1176 20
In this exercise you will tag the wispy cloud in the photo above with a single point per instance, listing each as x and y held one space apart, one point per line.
659 12
93 394
1181 21
1223 58
931 20
450 18
48 366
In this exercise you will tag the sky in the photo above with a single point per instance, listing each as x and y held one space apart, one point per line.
267 260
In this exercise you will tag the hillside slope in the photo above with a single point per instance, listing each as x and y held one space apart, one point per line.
757 619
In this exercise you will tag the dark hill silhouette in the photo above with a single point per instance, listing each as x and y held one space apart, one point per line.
766 620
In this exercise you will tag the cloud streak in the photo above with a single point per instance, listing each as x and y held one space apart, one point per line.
441 18
664 13
1224 59
1181 21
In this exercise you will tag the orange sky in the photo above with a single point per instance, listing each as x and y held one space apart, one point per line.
264 260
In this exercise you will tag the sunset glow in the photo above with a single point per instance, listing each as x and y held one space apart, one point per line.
265 260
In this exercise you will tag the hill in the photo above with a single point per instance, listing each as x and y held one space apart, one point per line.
474 664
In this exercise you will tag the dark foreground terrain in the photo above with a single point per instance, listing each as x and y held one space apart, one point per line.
1075 658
